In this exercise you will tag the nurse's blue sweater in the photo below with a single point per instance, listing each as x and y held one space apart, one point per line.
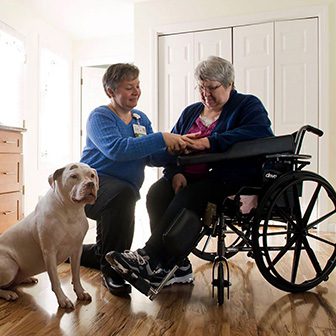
112 148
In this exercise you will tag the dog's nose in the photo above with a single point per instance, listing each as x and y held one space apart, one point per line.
90 184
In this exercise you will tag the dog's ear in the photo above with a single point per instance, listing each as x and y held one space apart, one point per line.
96 174
53 177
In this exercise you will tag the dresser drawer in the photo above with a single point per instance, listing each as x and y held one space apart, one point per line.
10 142
10 172
10 209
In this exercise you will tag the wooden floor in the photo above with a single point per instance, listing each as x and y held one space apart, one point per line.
254 308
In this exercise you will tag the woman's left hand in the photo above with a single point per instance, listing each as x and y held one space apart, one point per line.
194 143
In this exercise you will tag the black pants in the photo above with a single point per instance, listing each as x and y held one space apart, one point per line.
114 215
163 205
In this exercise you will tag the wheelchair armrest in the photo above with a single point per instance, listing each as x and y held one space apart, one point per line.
244 149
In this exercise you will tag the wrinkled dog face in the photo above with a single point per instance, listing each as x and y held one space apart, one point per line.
79 181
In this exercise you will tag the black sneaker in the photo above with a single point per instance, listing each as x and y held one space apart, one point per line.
182 275
128 262
115 283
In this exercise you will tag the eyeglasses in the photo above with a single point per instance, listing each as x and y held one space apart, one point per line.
209 89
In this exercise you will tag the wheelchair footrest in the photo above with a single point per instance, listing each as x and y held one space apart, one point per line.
138 282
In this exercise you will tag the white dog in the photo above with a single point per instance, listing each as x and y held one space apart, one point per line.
51 234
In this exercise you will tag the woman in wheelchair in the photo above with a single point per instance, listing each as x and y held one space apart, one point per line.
222 118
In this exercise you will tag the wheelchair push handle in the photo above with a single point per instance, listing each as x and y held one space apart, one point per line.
300 134
314 130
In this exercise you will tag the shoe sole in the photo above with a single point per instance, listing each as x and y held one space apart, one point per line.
187 279
118 291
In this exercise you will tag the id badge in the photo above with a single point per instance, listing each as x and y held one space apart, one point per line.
139 130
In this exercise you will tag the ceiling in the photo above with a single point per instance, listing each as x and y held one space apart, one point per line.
86 19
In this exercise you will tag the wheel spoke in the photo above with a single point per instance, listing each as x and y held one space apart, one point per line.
206 244
297 206
312 256
321 219
278 233
311 204
322 240
296 260
283 251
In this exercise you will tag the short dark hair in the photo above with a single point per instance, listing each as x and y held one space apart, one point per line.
116 73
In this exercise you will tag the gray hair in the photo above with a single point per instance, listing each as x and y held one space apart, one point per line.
215 68
116 73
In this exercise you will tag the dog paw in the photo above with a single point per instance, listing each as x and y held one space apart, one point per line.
8 295
66 303
84 296
29 281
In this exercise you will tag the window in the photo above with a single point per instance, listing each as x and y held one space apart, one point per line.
54 112
12 59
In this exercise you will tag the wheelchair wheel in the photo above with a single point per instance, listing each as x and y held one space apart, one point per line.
206 248
220 285
293 237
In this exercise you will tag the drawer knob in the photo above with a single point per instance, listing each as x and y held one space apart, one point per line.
8 212
8 173
9 142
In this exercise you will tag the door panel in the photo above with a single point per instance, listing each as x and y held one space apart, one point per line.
296 71
212 43
253 59
296 87
176 84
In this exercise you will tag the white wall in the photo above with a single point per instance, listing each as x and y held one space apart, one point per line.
36 32
174 15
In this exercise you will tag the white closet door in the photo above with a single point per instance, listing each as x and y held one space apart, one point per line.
212 43
253 59
176 83
296 87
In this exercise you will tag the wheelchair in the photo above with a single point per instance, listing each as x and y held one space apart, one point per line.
288 228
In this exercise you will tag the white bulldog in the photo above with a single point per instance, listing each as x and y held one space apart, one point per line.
51 234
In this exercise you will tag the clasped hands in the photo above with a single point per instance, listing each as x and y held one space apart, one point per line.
185 144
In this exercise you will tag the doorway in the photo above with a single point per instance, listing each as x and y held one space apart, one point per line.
92 95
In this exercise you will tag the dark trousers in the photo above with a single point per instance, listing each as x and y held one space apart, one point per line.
163 205
114 215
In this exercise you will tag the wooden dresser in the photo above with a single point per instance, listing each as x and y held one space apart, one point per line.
11 176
